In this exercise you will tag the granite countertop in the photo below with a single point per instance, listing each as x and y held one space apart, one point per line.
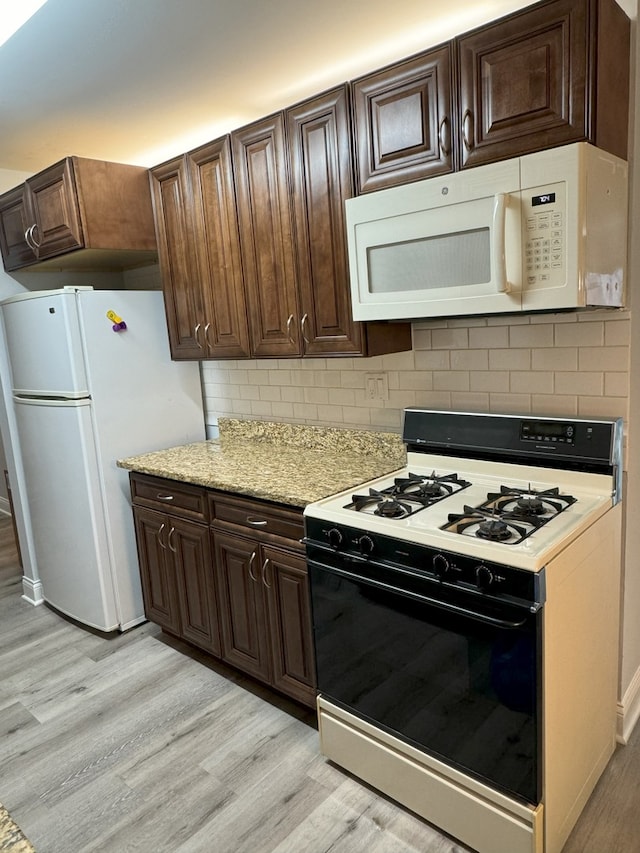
286 463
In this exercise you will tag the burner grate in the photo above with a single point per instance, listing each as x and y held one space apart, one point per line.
407 495
509 516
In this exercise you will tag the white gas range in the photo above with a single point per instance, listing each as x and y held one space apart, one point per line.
466 623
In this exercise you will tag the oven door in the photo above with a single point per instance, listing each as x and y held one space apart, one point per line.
457 681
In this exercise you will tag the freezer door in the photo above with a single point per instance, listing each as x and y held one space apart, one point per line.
66 508
45 344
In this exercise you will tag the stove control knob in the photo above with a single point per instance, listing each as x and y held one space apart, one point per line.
484 577
366 544
441 566
335 537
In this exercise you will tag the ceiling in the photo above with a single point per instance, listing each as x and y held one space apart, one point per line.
138 81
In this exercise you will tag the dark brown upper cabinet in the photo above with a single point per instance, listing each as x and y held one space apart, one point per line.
554 73
199 252
172 206
403 121
319 140
264 217
87 214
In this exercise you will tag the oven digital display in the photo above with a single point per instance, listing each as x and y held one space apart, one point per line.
553 432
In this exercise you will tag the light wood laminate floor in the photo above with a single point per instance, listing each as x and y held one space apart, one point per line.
126 745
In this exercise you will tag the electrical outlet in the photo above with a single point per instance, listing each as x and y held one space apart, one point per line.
376 386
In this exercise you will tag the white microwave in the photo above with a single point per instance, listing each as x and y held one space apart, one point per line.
542 232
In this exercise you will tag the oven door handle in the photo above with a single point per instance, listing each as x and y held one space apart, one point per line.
433 602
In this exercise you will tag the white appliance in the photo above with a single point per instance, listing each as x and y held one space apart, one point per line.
542 232
93 382
466 620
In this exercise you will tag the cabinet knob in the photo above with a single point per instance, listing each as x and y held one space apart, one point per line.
256 522
289 326
161 497
159 535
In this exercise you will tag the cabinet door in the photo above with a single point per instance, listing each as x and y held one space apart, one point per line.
157 574
191 550
523 82
321 173
14 224
285 579
264 215
170 192
403 119
53 207
218 245
242 607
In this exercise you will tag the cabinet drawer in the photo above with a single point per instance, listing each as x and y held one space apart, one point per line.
258 516
169 496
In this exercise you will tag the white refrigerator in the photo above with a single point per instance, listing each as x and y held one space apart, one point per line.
93 382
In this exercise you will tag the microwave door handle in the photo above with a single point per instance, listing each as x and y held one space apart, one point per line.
499 233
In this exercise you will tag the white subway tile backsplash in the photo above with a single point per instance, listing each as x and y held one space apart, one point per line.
450 338
617 331
510 403
616 384
603 358
470 359
566 364
580 383
433 359
468 402
489 337
510 359
531 382
531 336
580 335
450 380
558 358
489 380
548 404
602 407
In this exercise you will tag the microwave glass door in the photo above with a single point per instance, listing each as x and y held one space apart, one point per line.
460 259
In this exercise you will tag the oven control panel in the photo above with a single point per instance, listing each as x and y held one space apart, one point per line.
346 548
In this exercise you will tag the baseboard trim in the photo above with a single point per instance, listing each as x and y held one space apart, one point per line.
32 591
629 710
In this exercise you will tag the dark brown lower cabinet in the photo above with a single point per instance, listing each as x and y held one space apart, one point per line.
265 614
237 589
177 580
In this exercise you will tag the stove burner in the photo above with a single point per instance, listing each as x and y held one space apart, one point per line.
529 502
384 504
530 506
408 494
491 524
494 529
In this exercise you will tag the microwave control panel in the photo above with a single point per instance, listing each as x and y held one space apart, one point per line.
544 218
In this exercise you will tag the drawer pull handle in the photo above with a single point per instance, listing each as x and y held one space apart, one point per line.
159 535
172 547
251 562
265 566
256 522
162 497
